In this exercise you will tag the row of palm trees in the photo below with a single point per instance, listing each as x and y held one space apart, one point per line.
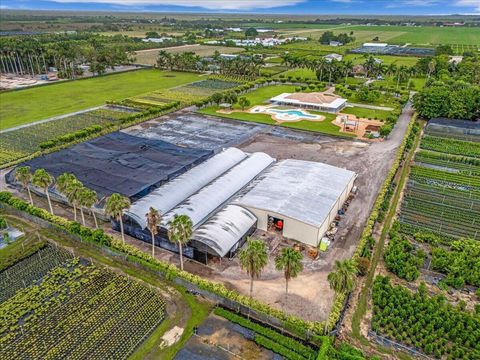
189 61
254 257
67 184
335 70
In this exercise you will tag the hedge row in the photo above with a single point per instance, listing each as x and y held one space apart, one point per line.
277 348
12 257
68 138
285 341
304 329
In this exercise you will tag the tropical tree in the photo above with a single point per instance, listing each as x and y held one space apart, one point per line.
88 198
243 102
290 261
179 232
342 278
24 176
43 179
72 192
115 206
253 258
154 218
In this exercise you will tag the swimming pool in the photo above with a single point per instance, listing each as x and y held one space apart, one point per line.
298 113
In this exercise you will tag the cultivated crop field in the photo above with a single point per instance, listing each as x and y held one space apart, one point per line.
24 141
28 105
443 192
73 309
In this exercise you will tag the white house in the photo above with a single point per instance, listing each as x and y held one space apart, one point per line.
321 101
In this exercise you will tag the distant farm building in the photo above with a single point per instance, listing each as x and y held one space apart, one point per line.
332 57
321 101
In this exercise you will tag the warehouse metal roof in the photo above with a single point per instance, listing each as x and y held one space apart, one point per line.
202 204
121 163
169 195
301 190
225 229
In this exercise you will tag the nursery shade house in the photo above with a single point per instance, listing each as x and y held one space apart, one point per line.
301 198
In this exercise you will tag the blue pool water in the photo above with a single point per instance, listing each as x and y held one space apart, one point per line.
294 112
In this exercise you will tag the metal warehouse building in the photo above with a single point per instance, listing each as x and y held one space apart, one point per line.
303 195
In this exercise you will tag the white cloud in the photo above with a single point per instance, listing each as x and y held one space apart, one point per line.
469 3
207 4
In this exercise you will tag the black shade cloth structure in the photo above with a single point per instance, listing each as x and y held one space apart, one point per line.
121 163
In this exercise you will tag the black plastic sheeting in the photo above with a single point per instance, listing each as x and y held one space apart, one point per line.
120 163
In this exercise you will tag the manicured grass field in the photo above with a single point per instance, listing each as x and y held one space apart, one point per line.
367 113
29 105
387 59
303 73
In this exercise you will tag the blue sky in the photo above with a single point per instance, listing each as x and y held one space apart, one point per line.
412 7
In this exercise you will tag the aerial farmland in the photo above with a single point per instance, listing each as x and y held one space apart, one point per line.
258 186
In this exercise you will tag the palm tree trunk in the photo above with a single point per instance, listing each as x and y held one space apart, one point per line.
83 216
181 256
286 291
251 287
74 212
121 230
94 218
29 194
49 202
153 244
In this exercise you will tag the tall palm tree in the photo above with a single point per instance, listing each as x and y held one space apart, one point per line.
342 278
154 219
24 176
62 184
43 179
253 258
88 198
290 261
115 206
72 191
179 231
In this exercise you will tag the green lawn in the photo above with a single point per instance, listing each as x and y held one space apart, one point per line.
28 105
367 113
387 59
261 95
303 73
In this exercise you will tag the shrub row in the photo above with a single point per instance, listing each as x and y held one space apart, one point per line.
284 341
67 138
277 348
304 329
28 249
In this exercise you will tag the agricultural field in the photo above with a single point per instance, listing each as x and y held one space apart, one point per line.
26 140
185 94
28 105
149 57
443 191
57 306
429 324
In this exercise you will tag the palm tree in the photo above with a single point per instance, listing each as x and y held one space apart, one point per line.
63 182
72 191
179 231
24 176
342 278
290 261
88 198
153 221
43 179
253 258
115 206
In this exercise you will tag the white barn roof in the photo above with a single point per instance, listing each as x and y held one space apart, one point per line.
166 197
302 190
203 203
223 230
